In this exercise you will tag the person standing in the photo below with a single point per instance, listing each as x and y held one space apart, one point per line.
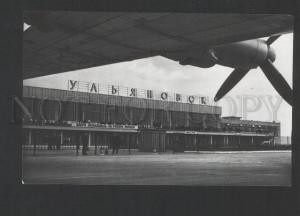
84 144
175 144
78 141
115 144
47 141
57 141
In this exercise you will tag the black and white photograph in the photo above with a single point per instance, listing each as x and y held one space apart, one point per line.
157 98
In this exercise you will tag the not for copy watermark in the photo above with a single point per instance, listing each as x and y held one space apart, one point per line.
242 106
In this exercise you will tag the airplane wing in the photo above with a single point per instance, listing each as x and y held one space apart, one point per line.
64 41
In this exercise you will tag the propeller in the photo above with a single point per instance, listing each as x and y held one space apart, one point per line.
273 75
272 39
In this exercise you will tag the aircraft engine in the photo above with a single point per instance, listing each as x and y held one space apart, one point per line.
245 54
204 59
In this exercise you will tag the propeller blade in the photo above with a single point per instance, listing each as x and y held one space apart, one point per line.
230 82
272 39
277 80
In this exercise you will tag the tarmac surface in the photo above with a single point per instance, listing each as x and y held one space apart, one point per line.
242 168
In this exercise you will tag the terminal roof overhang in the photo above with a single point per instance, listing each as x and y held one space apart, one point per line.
63 41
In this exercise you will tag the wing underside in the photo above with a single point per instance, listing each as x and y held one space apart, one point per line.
64 41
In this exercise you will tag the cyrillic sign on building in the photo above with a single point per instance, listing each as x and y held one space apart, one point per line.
74 85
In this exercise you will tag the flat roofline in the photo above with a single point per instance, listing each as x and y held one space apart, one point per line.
86 129
96 98
191 104
249 121
216 133
125 130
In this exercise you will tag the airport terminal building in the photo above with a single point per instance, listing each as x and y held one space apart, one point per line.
145 120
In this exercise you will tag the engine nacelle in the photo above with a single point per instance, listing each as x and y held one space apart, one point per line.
199 59
245 54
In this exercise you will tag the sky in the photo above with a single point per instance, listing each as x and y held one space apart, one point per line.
253 98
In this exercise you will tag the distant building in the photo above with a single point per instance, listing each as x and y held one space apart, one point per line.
234 123
147 124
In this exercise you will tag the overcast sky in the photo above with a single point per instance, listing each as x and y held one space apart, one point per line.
159 73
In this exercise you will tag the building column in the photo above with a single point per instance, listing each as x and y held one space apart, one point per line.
90 139
170 119
83 116
106 139
151 118
96 143
187 120
61 137
131 116
29 137
129 143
